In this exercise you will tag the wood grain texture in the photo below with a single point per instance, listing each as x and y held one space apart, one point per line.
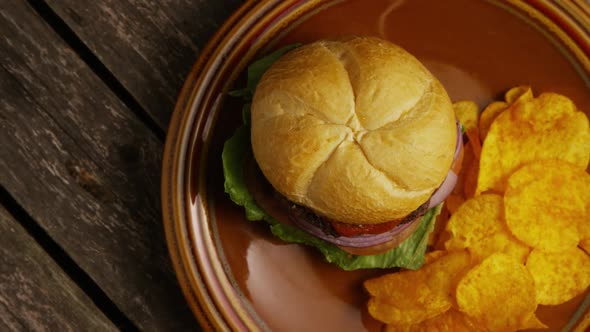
149 45
85 169
35 294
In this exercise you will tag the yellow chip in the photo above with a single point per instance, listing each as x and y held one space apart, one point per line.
467 112
499 293
477 218
478 225
488 115
397 298
532 323
584 223
518 93
410 297
546 127
559 277
503 242
544 202
584 228
449 321
431 256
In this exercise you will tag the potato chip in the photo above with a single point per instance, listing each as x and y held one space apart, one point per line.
544 202
533 323
503 242
477 218
518 93
404 298
478 225
410 297
431 256
451 320
584 228
559 277
488 115
546 127
499 293
584 222
467 112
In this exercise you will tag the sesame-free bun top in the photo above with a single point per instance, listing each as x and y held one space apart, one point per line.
357 129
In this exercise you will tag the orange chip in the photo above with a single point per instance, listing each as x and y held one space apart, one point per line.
546 127
499 293
410 297
585 245
488 115
543 204
449 321
559 277
479 226
518 93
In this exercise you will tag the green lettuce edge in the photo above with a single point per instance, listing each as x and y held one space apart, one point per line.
409 254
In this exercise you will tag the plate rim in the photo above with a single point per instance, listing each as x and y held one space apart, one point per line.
174 199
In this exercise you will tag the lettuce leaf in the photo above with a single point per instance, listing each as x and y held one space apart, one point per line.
257 69
409 254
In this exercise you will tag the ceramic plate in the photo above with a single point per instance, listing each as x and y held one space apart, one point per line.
234 273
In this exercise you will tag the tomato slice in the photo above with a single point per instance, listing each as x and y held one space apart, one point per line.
345 229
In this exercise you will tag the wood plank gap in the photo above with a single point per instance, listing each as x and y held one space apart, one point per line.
94 63
66 263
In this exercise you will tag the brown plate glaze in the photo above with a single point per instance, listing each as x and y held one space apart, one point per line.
234 274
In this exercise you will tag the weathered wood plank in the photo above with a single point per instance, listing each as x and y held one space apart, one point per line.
149 45
35 294
86 169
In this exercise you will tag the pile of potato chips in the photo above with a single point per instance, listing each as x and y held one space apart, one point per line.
518 228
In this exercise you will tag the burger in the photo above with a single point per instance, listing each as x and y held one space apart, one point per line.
350 146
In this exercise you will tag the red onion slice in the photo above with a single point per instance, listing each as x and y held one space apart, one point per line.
445 189
360 241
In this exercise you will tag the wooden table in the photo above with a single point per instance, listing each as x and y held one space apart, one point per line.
87 88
